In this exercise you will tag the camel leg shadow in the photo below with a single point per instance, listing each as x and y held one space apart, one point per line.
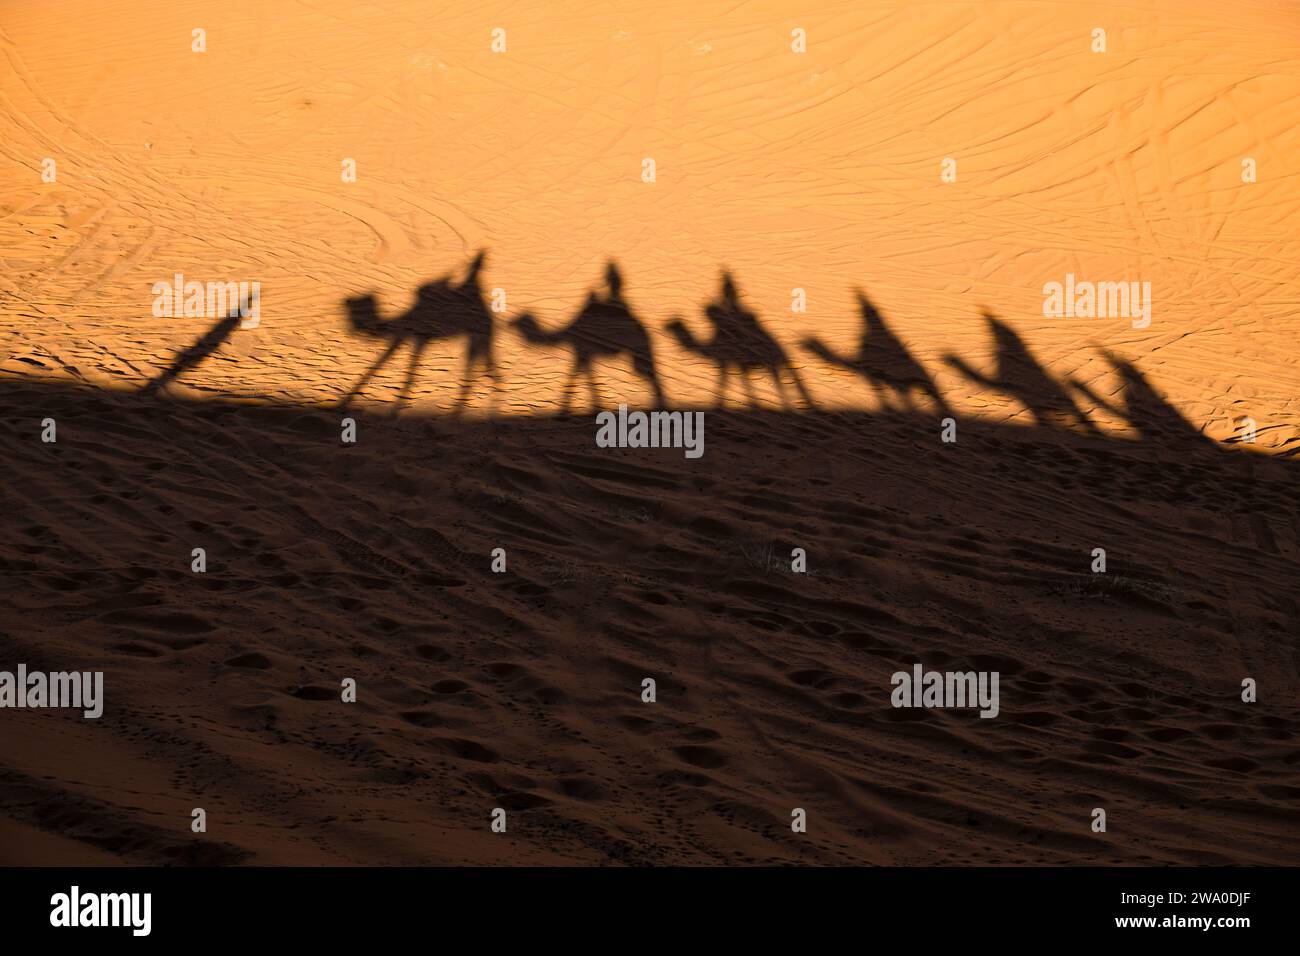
370 373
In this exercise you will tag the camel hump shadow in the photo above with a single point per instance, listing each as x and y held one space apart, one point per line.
740 345
443 309
604 328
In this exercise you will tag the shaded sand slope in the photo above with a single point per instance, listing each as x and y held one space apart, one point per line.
522 690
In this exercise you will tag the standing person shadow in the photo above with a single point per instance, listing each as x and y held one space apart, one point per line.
603 328
1019 375
884 361
443 309
195 355
741 345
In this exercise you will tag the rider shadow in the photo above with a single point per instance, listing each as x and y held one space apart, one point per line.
443 309
884 362
740 345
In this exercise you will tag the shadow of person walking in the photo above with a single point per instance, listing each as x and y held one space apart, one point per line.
196 354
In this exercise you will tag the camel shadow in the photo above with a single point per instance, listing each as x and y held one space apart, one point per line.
443 309
1143 408
603 328
884 362
740 345
1018 374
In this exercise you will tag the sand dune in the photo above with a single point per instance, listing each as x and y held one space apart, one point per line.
775 171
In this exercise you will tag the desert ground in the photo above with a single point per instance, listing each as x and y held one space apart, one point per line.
853 213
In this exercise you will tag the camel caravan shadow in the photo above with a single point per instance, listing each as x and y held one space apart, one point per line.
738 346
